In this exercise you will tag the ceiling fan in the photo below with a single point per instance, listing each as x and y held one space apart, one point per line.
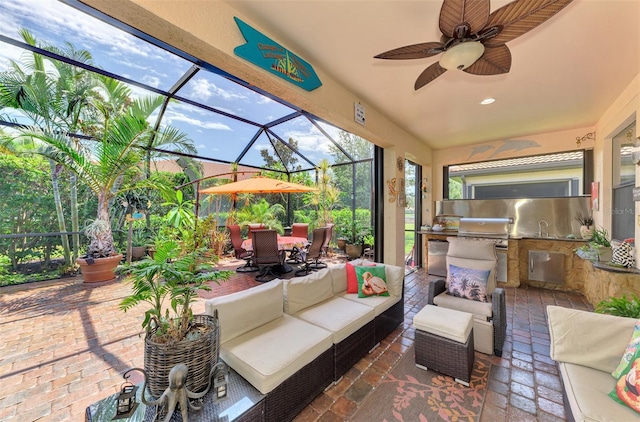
473 40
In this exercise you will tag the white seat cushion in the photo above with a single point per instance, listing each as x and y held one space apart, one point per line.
378 303
271 353
340 316
587 394
443 322
480 310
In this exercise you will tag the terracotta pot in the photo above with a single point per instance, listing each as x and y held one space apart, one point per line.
342 244
102 269
354 251
138 252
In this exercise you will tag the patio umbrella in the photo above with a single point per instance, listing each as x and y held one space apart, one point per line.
259 184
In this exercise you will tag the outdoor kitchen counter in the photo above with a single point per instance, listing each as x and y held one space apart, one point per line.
518 259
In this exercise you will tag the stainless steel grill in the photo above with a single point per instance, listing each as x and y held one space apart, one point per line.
490 228
487 228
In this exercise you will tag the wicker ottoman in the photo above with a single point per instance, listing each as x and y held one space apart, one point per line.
444 342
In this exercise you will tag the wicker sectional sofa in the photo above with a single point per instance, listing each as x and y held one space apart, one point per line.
292 338
587 348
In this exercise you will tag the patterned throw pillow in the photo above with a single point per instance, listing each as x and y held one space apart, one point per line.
627 389
623 255
468 283
372 281
629 351
352 279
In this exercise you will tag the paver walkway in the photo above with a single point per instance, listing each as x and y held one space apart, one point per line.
64 345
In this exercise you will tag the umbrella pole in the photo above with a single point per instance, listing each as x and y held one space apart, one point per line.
195 220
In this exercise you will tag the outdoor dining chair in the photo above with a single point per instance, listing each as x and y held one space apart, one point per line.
312 255
266 254
252 227
298 230
324 249
239 251
327 239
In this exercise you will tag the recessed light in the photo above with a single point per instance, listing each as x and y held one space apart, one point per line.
487 101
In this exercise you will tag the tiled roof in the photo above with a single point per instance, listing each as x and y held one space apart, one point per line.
514 162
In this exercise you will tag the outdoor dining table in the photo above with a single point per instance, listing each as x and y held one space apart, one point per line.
285 243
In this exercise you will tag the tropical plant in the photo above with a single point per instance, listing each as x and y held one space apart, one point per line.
624 307
102 167
172 275
584 220
55 96
601 237
262 212
358 233
327 196
67 105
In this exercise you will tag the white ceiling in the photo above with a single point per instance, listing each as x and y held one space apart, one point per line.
565 73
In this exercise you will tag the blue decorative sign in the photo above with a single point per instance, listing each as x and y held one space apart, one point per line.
268 54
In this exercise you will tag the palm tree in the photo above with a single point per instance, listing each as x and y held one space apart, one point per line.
64 103
53 97
262 212
102 166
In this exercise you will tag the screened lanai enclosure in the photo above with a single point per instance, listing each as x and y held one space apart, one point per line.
69 74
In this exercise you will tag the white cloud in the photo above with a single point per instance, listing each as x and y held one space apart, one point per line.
172 116
153 81
201 88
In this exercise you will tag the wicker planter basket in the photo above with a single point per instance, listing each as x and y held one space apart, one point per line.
199 354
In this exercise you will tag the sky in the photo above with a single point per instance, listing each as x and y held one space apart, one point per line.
215 136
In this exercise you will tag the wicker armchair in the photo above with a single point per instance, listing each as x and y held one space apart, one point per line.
240 253
489 318
266 254
312 255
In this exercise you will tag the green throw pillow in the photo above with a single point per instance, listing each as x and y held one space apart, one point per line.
627 389
629 351
372 281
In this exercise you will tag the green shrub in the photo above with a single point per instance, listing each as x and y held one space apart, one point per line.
620 306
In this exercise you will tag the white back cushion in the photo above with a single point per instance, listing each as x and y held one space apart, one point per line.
587 338
476 254
302 292
243 311
395 277
339 277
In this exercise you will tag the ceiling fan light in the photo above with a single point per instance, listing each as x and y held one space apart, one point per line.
462 56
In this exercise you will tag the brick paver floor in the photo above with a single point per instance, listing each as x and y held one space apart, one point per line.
65 345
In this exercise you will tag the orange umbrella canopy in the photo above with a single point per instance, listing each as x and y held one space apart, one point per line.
258 184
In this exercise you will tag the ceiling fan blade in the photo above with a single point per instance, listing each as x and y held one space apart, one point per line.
454 12
429 74
494 61
521 16
415 51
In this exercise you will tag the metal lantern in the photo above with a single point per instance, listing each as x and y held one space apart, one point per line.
126 401
220 381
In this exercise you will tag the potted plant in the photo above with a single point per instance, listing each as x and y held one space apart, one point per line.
139 242
118 151
169 283
356 241
598 248
586 225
